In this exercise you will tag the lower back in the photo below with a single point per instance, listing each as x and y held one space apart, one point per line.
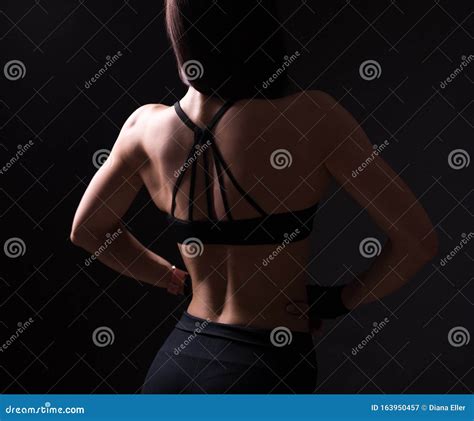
250 285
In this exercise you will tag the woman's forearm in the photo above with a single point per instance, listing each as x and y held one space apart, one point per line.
123 253
397 263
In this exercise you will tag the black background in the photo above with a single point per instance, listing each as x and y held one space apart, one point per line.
64 43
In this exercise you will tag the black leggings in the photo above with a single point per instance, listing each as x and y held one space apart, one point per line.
208 357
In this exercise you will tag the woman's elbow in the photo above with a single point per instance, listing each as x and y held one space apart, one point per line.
75 238
426 248
80 237
418 250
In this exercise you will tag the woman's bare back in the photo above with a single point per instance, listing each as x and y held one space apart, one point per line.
275 151
284 153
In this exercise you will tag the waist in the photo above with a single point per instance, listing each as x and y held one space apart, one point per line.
278 337
238 293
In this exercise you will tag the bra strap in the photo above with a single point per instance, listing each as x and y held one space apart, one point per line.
219 114
201 136
180 179
220 179
243 193
184 117
208 137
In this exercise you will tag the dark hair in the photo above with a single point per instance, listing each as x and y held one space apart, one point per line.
228 48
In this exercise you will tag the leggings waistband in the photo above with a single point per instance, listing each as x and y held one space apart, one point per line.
279 336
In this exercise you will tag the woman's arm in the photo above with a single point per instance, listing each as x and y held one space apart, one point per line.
109 195
412 241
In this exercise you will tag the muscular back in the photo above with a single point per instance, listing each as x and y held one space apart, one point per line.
283 152
276 152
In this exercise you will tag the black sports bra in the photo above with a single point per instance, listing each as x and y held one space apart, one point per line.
264 229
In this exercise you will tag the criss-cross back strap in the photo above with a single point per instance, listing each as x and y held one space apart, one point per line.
203 141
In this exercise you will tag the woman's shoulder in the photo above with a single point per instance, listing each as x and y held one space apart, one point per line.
320 116
133 135
312 97
311 105
329 107
138 124
303 104
142 114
